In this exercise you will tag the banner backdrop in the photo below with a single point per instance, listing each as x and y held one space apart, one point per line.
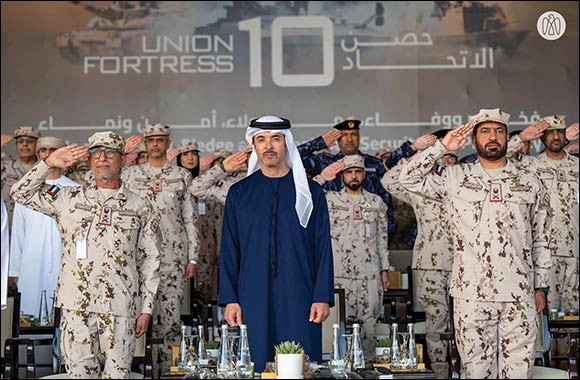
207 68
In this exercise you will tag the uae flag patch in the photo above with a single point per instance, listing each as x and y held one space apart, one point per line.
53 190
439 169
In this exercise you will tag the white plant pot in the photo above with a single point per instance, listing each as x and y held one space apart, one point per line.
290 366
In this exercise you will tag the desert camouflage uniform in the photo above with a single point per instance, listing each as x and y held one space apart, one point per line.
360 248
167 189
500 234
115 283
12 171
432 259
562 181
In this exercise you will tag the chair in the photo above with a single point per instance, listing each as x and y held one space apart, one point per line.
337 315
10 329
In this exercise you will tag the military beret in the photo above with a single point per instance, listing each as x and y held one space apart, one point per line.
348 125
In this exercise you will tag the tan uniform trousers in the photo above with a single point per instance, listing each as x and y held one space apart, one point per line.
92 340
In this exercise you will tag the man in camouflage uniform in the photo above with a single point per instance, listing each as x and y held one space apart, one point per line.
500 224
12 170
109 271
358 226
432 256
166 186
558 169
210 190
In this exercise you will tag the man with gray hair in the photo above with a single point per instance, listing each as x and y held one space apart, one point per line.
109 271
35 246
276 256
501 263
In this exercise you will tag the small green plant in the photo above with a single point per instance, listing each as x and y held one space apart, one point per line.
383 343
288 347
212 345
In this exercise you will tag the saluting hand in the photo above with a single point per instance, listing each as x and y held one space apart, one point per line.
456 138
423 142
5 140
172 153
235 161
205 162
331 136
572 132
233 314
331 171
132 142
319 311
534 131
67 156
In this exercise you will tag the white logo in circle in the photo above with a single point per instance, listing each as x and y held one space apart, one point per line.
551 25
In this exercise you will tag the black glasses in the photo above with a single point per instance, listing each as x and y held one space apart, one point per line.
96 152
28 140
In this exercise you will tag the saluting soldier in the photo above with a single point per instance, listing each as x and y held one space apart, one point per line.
359 231
501 264
109 271
166 186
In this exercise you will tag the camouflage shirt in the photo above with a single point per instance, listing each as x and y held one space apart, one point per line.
168 189
358 229
434 244
500 226
115 239
12 170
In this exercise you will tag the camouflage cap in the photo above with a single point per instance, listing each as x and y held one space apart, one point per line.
384 151
495 114
353 161
49 142
141 148
555 122
107 139
26 131
157 130
187 147
221 153
245 147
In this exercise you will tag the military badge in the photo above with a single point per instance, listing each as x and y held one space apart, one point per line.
106 216
495 191
53 190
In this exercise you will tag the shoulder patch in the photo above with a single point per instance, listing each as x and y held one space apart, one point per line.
439 169
54 189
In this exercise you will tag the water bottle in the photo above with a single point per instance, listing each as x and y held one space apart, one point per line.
358 356
337 365
244 366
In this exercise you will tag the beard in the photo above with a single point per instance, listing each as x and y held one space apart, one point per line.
555 146
353 185
492 151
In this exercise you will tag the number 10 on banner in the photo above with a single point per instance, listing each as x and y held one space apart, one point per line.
253 26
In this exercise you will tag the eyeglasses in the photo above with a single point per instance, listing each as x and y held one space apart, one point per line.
28 140
96 152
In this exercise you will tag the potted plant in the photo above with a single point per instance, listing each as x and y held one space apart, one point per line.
383 347
213 348
289 360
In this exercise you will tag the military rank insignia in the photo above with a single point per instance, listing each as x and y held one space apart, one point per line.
439 169
106 216
357 213
496 195
157 185
561 175
53 190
